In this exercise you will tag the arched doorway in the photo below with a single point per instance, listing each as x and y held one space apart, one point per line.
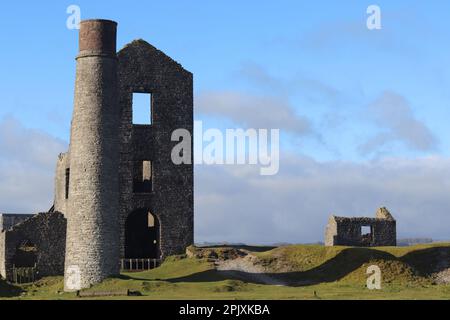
25 255
142 235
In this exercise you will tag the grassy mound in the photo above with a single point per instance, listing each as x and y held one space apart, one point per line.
316 264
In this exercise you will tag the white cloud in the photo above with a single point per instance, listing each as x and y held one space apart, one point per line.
395 118
253 111
27 166
313 90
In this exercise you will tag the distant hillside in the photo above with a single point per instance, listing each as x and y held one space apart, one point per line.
413 241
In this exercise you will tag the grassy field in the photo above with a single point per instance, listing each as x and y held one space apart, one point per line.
308 271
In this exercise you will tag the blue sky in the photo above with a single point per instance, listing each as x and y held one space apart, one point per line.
357 96
322 45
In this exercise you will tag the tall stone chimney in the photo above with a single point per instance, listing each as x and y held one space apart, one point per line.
92 245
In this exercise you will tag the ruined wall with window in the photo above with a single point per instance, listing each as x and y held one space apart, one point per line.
39 240
156 195
8 221
362 231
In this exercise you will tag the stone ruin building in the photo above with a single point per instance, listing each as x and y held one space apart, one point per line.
362 231
117 192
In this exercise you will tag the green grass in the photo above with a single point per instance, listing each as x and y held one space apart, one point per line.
318 264
311 272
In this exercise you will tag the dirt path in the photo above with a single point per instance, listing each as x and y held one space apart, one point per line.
246 269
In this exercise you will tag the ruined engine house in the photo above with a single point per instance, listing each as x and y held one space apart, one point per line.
117 192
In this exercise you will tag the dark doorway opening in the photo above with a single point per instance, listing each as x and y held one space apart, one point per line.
142 235
26 255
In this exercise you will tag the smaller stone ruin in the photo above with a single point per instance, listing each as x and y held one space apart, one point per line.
362 231
36 240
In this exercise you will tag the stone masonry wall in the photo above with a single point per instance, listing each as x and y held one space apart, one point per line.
2 255
60 201
47 231
93 208
8 220
331 232
347 231
145 69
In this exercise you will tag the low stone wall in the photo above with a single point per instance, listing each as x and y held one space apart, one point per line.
8 220
47 231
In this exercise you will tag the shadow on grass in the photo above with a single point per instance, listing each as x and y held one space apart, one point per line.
424 262
428 261
241 247
8 290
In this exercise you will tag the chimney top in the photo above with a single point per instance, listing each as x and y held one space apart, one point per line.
97 37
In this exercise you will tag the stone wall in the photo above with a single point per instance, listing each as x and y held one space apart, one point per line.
347 231
2 255
62 167
331 232
8 220
145 69
47 231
